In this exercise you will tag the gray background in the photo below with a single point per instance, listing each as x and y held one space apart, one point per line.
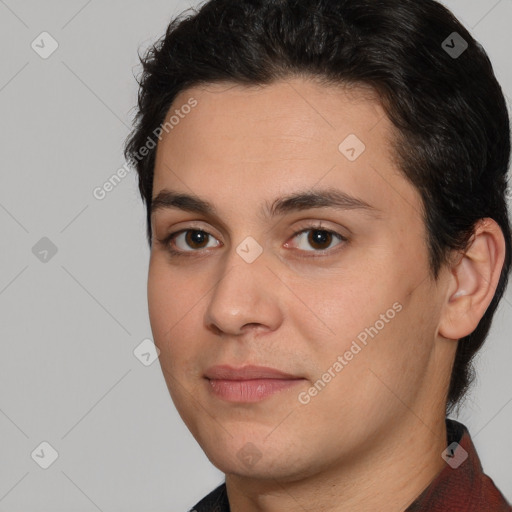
69 326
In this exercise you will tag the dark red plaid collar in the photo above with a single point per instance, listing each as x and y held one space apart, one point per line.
461 486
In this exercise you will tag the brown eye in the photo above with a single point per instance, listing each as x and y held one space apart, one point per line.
194 237
318 238
187 241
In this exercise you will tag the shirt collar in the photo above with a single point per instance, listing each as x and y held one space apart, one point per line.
461 485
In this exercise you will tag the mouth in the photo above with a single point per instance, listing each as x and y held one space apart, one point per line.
249 383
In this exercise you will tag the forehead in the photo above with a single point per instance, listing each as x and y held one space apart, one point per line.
300 107
279 137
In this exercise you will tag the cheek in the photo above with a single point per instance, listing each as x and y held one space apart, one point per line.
366 316
335 309
174 299
160 301
170 293
166 305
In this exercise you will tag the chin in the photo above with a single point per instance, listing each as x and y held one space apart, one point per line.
257 459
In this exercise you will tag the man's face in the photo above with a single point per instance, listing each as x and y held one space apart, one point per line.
347 308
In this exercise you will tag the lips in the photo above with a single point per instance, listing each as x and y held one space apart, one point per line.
249 383
249 372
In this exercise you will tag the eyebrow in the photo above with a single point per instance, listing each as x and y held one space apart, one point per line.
298 201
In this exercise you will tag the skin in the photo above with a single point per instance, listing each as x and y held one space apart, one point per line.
372 438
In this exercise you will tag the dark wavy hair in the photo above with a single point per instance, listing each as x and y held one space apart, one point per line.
452 134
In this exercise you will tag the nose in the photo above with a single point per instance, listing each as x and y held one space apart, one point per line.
246 296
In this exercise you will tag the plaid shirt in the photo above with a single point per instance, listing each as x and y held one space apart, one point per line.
461 486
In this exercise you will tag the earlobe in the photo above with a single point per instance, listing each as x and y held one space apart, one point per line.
473 281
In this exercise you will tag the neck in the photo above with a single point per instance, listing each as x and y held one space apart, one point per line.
388 478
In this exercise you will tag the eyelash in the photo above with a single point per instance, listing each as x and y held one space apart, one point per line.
178 253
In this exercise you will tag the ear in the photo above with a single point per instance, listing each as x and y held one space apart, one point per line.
473 280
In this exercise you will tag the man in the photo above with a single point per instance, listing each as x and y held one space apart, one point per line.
325 187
